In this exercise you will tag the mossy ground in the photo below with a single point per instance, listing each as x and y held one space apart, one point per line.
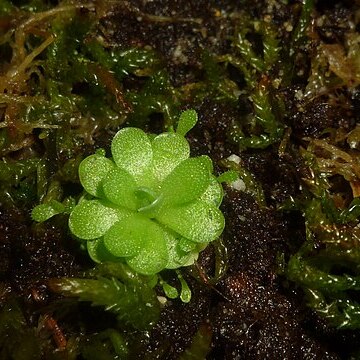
272 83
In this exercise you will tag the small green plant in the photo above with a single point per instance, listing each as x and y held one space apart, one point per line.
150 205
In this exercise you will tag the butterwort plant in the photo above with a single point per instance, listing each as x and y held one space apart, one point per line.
150 205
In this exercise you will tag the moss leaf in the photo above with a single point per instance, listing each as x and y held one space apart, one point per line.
135 304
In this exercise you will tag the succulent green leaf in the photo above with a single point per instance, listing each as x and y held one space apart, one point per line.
228 176
43 212
69 203
177 256
214 192
132 151
153 256
187 182
90 219
170 291
92 171
169 149
187 121
98 252
185 294
199 221
128 236
146 197
208 162
119 187
187 245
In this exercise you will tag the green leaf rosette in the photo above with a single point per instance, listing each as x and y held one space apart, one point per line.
150 205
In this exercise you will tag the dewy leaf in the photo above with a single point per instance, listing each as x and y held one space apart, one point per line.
98 252
153 257
170 291
187 182
214 192
90 219
200 222
43 212
177 256
92 171
128 236
169 150
228 176
119 187
207 162
187 121
185 294
132 151
146 197
187 245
